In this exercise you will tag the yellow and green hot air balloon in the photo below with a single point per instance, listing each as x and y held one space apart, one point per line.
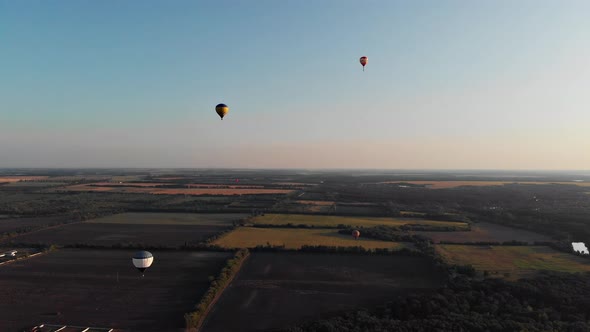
221 110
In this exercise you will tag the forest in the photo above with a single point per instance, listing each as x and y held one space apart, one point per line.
550 302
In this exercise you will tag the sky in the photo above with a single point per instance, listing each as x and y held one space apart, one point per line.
449 84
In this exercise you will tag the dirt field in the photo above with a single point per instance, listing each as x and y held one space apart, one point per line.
276 290
109 234
333 221
293 238
147 218
12 224
16 178
154 229
80 287
518 261
486 232
178 191
453 184
30 185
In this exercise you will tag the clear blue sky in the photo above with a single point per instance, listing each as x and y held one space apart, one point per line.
449 84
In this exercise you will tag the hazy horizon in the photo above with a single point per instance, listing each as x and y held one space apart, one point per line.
451 85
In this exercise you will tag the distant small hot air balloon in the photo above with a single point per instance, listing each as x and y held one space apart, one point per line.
356 234
142 260
221 110
364 60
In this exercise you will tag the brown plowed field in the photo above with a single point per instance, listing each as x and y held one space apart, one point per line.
80 287
16 178
277 290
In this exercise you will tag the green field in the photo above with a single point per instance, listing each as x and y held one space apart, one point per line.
149 218
333 221
249 237
517 261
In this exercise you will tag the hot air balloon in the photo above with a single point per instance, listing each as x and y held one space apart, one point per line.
364 60
221 110
142 260
356 234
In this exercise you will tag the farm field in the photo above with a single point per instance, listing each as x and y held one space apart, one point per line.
333 221
454 184
293 238
150 218
16 178
101 288
34 184
360 210
313 206
487 232
177 191
127 184
276 290
321 203
12 224
108 234
518 261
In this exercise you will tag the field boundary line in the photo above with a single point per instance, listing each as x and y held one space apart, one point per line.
7 239
216 298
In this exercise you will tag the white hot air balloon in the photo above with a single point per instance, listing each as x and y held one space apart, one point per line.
142 260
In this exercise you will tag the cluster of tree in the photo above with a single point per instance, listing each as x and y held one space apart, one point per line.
385 233
432 228
550 302
561 211
78 206
422 244
194 319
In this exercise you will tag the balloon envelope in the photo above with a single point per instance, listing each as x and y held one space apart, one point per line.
356 234
364 60
221 110
142 260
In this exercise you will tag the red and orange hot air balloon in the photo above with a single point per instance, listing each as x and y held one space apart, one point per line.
356 234
364 60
